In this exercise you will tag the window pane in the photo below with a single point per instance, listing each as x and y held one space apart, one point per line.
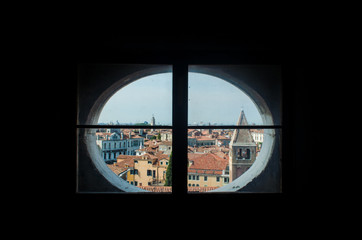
217 157
138 157
217 94
147 101
124 94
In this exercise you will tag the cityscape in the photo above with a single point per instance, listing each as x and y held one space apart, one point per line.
143 157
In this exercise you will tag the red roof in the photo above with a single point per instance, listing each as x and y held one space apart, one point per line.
169 189
208 163
205 138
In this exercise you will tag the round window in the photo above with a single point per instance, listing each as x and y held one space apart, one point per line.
230 130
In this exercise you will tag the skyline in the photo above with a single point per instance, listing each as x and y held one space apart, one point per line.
211 100
139 100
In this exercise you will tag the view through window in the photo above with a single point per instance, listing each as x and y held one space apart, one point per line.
134 134
140 156
219 156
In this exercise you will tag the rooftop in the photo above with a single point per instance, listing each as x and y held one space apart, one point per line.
208 163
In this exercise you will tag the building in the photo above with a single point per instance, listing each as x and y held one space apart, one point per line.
197 138
166 136
111 145
222 141
166 147
242 152
258 135
145 170
153 122
207 170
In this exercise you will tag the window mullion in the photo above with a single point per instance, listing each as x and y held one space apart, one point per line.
179 119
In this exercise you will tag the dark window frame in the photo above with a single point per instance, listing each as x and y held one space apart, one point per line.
180 126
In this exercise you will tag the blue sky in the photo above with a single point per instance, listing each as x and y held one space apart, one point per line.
214 100
211 99
136 102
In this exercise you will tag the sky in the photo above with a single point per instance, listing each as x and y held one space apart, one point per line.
214 100
139 100
211 99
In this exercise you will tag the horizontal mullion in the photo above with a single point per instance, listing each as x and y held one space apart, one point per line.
236 127
124 126
189 127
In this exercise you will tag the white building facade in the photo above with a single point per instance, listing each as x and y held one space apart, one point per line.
111 145
258 135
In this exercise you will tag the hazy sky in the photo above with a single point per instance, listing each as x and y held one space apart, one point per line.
211 100
136 102
214 100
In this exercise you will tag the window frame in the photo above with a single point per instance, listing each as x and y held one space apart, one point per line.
179 127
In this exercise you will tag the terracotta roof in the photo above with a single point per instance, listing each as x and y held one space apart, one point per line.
223 137
204 138
122 164
200 189
205 132
103 133
136 136
117 170
207 163
126 157
157 188
169 188
168 143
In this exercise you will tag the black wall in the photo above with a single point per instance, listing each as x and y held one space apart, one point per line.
300 89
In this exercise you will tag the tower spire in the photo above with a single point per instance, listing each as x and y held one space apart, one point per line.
242 152
153 121
242 118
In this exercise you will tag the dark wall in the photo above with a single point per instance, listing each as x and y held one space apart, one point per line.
300 88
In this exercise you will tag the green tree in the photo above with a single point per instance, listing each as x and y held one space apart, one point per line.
168 181
159 136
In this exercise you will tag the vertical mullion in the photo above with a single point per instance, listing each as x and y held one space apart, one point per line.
179 120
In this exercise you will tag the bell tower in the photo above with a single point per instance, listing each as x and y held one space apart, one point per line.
153 121
242 152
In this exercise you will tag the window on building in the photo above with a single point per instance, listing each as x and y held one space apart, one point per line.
149 106
226 108
197 100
